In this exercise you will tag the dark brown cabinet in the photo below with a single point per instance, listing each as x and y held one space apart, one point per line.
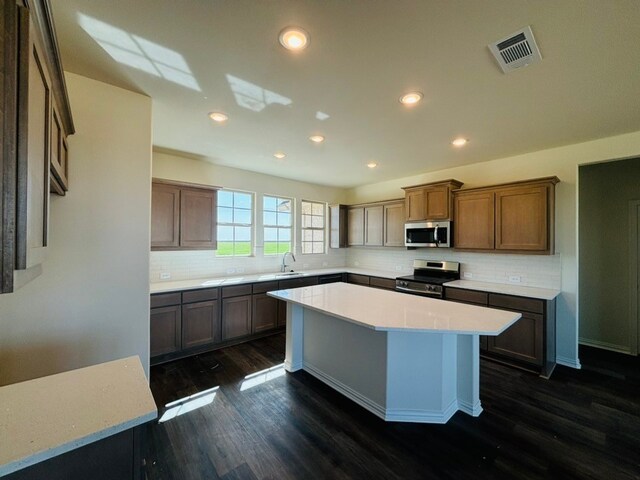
236 317
431 201
530 342
357 279
200 324
265 312
183 216
514 217
166 330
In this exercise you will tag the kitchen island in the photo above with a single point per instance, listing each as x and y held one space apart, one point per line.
402 357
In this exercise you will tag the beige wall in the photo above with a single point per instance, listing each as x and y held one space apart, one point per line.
91 304
605 192
563 162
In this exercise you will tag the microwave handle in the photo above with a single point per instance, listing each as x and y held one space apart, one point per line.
435 235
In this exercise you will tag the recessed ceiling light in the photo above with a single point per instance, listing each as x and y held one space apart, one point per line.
316 138
411 98
279 155
218 117
459 142
372 164
294 38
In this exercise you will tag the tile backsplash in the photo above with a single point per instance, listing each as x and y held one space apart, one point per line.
531 270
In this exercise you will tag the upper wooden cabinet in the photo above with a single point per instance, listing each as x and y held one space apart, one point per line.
373 225
183 216
376 224
355 222
35 119
394 224
514 217
431 201
338 226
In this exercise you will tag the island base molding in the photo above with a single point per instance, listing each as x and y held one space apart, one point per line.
399 376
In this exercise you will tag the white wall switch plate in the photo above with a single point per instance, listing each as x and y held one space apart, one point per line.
515 278
467 275
231 270
398 268
239 270
165 275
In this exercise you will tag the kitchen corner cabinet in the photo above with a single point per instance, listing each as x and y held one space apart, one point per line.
376 224
431 201
511 218
338 226
530 343
183 216
35 119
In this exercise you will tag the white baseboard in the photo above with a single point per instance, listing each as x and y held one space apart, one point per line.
605 345
568 362
473 410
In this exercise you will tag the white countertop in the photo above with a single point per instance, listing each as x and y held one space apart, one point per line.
163 287
387 310
49 416
520 291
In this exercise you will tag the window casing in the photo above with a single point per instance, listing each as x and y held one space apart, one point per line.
277 217
313 231
235 224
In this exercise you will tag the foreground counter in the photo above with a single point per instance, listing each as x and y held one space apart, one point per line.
402 357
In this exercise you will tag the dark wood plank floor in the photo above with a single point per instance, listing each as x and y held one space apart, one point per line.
579 424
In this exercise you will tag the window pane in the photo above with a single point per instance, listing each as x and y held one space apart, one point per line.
317 209
306 208
241 216
317 222
318 247
284 219
270 234
284 247
242 200
225 199
284 234
225 215
318 235
225 234
284 205
307 235
269 203
306 247
243 248
306 221
242 234
225 249
270 248
270 218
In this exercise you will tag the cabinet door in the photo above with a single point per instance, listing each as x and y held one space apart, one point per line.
394 225
337 226
355 221
373 226
200 324
165 216
436 202
265 312
58 156
236 317
414 205
474 220
165 330
198 218
521 341
521 218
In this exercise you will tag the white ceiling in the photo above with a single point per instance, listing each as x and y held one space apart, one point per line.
191 55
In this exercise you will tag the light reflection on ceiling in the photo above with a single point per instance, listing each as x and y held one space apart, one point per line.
254 97
140 53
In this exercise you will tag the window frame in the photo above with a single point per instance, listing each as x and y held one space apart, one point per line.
291 227
252 225
313 229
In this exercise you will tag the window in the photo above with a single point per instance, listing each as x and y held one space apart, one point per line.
313 221
235 223
278 224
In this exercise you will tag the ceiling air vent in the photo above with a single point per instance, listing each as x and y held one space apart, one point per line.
517 50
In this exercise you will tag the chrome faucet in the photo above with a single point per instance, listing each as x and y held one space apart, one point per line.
284 266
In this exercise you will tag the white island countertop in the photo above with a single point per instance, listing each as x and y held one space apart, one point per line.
49 416
518 290
386 310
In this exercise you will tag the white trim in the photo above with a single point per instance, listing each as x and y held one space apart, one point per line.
569 362
634 278
466 407
605 345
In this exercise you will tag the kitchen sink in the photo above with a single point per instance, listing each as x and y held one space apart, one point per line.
289 274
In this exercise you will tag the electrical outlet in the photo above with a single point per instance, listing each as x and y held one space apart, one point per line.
165 275
398 268
231 270
239 270
467 275
515 278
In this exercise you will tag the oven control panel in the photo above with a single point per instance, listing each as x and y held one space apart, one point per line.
419 288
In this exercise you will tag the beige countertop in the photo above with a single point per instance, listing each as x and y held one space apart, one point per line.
49 416
520 291
387 310
162 287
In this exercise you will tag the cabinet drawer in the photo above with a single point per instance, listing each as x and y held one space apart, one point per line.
200 295
264 287
378 282
520 304
165 299
236 291
331 278
298 282
359 279
468 296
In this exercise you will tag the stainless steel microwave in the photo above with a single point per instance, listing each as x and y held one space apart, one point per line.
427 234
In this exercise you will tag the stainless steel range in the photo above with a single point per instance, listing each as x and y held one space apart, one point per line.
428 277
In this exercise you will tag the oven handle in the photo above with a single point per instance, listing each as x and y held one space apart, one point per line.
426 294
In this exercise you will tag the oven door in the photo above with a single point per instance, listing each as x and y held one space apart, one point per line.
428 234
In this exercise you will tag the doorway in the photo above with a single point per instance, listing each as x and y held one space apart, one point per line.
634 273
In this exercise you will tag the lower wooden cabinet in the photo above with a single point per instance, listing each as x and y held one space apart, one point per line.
166 330
265 313
522 341
200 324
236 317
